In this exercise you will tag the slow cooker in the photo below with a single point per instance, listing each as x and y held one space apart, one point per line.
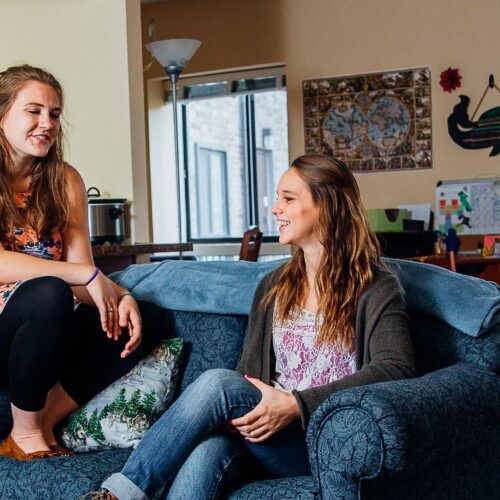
106 218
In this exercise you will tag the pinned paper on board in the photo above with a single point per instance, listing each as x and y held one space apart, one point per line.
468 206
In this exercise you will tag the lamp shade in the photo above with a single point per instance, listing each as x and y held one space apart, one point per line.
174 54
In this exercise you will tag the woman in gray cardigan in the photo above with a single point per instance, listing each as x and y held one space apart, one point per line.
332 317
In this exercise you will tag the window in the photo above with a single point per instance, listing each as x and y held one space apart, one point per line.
211 189
235 145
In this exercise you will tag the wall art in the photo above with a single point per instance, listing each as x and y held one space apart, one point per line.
375 122
479 134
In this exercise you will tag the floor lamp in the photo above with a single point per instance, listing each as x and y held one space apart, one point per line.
173 55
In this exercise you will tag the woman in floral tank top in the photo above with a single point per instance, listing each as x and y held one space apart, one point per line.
332 317
46 267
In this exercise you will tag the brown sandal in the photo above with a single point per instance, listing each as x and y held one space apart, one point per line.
61 451
9 448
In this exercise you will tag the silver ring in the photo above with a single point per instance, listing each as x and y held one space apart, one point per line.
110 309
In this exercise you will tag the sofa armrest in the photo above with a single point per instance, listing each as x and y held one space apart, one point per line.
398 428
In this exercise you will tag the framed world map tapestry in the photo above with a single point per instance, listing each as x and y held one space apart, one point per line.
375 122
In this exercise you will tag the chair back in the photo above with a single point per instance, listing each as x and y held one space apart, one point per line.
250 245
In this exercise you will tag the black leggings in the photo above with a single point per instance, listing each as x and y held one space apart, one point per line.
44 341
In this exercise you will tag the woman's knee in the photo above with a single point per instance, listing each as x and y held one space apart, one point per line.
217 378
48 295
220 385
51 291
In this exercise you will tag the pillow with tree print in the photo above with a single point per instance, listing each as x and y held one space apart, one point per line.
120 415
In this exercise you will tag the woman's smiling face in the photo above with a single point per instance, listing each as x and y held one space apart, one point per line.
32 124
295 211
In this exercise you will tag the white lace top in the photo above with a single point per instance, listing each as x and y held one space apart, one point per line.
300 364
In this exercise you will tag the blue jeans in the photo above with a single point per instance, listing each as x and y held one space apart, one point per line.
187 449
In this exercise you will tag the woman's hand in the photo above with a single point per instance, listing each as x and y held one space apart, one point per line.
276 410
106 301
129 316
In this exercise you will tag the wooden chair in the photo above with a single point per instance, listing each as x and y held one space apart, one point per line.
250 245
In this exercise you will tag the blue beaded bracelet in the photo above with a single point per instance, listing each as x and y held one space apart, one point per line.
96 272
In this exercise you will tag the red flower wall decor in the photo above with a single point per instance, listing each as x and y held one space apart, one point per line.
450 79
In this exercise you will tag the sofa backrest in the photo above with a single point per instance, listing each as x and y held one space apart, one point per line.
453 318
216 340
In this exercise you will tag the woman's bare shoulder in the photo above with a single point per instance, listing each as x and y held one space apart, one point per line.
74 182
72 175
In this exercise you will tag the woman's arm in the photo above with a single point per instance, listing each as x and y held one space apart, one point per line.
277 408
76 237
77 249
15 266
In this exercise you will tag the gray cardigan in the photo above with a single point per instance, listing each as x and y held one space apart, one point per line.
383 346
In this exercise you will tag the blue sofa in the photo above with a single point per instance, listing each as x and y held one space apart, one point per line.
433 437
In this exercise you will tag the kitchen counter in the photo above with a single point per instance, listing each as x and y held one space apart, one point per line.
117 256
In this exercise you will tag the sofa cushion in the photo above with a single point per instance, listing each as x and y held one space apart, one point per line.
469 304
120 415
64 478
291 488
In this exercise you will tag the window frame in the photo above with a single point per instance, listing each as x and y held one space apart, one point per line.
249 139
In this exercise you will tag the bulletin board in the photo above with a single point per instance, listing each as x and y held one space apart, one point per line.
470 206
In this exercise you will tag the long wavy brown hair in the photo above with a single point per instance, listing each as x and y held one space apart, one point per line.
351 251
48 207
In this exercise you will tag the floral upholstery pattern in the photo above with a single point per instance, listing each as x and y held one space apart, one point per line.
437 344
58 478
291 488
210 341
402 429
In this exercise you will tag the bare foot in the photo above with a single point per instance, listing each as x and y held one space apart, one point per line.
50 438
30 443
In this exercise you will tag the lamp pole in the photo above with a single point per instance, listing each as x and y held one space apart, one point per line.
173 55
173 73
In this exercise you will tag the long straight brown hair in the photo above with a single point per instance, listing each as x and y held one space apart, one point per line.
48 207
351 251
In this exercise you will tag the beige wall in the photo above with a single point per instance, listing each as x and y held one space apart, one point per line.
94 48
318 38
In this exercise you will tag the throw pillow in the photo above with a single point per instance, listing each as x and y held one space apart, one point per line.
120 415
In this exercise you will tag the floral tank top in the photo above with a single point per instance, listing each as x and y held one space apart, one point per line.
26 240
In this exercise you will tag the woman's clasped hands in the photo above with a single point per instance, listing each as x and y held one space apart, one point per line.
276 410
116 312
